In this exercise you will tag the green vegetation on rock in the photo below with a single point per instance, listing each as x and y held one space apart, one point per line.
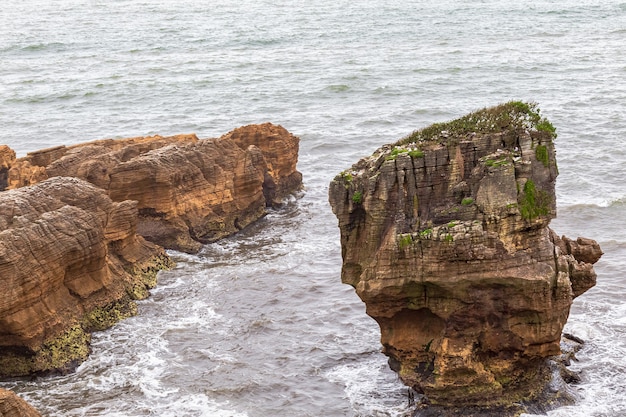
145 275
426 233
514 115
541 152
416 153
405 241
102 318
413 153
60 353
357 197
533 203
494 163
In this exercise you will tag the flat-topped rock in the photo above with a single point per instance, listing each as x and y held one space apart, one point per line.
445 238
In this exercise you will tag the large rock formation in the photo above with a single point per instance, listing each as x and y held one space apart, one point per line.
189 191
70 262
13 406
445 238
72 255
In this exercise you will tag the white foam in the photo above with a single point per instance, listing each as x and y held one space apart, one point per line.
371 387
196 405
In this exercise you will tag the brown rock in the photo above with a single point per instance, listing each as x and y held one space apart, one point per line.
189 191
280 151
13 406
445 238
7 158
70 262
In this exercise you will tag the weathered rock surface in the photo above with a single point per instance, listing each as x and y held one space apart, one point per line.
189 191
13 406
7 158
445 238
70 262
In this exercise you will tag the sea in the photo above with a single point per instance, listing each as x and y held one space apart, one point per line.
259 324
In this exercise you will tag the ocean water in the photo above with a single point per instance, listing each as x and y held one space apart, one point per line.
259 324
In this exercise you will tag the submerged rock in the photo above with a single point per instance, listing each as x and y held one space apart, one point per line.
445 238
70 262
189 191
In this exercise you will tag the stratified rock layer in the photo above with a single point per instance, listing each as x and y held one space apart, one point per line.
445 238
13 406
70 262
189 191
7 158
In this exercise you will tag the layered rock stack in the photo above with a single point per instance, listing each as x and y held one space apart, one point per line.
445 238
189 191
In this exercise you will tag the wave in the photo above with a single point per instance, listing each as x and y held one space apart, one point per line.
338 88
43 46
372 388
39 99
609 202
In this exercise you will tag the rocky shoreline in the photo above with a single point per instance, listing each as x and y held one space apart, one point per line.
83 228
445 236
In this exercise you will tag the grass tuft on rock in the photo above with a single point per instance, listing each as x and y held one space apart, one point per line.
533 202
514 115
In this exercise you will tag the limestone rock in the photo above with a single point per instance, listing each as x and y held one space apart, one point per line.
70 262
280 151
189 191
7 158
445 238
13 406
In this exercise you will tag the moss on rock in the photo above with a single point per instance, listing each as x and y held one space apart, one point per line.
145 275
60 354
102 318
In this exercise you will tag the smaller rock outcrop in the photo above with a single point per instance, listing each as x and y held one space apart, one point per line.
70 262
445 238
13 406
7 158
189 191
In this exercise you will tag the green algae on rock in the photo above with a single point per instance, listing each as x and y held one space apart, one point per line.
450 250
